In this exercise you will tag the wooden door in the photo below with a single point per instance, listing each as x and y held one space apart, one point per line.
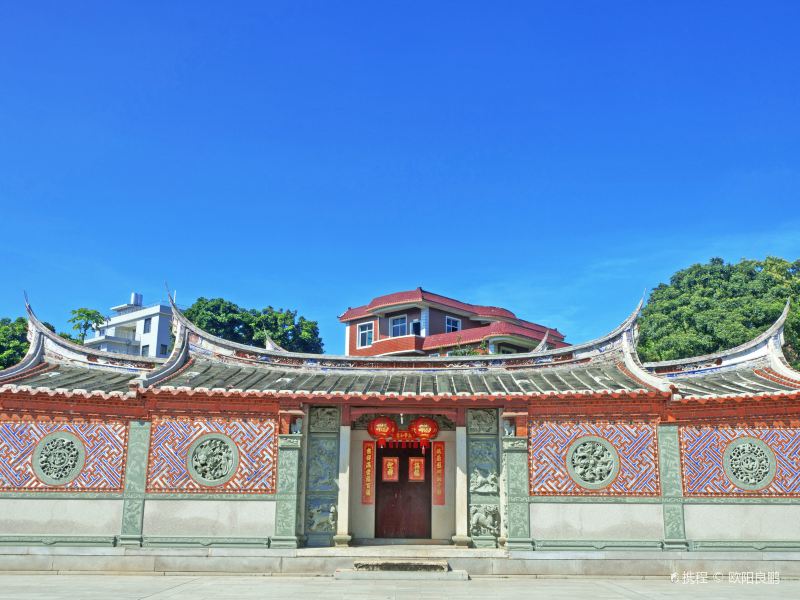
402 508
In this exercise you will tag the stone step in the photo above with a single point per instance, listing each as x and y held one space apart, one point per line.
400 568
401 564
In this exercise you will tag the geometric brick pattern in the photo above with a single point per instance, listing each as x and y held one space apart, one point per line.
103 469
635 444
702 450
255 439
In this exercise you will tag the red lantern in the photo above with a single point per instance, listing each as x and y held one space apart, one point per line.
424 429
381 428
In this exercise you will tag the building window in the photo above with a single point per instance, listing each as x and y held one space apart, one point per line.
399 326
145 350
452 324
147 323
365 335
416 327
163 349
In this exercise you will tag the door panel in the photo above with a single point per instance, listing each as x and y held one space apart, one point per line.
402 508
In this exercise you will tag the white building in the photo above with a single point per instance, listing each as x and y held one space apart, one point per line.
135 329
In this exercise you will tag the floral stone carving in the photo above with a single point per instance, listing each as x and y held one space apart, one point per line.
59 458
749 463
592 462
324 419
212 459
482 420
484 519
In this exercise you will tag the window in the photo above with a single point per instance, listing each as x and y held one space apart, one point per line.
163 348
399 326
416 327
145 350
452 324
147 324
365 334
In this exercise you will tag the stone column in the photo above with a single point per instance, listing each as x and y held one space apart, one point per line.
342 537
322 475
288 477
483 468
669 462
135 481
518 520
461 538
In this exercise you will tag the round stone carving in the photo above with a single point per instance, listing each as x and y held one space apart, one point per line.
212 459
592 462
749 463
58 458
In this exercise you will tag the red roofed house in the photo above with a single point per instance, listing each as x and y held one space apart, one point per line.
421 322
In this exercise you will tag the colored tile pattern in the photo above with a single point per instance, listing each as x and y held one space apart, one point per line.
104 443
256 440
635 444
702 450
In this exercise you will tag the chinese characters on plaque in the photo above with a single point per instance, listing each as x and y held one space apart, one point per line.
437 455
368 473
416 468
391 468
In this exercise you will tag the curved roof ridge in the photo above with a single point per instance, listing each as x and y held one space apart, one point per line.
177 358
775 330
271 346
598 344
542 345
63 350
35 354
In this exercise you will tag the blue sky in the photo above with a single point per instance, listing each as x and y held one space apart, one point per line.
556 159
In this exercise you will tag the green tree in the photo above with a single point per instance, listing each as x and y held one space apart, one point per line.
229 321
13 341
84 319
715 306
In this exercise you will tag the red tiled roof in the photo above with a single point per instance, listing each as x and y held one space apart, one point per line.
420 295
478 334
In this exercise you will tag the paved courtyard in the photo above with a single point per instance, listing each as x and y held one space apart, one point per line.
133 587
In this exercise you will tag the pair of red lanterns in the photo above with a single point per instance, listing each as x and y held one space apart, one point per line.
420 432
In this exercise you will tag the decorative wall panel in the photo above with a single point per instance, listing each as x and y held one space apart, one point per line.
96 453
255 445
705 472
634 444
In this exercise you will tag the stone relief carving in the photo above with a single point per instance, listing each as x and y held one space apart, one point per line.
592 462
484 519
59 458
321 518
480 482
212 459
509 427
324 419
749 463
483 456
482 420
322 464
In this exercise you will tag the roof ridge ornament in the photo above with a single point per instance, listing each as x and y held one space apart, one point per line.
773 335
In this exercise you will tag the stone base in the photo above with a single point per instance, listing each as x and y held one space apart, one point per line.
289 541
682 545
519 544
129 540
341 540
484 541
462 541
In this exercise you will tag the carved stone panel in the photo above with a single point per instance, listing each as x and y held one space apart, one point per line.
323 464
749 463
482 421
320 516
212 459
324 419
483 465
592 462
59 458
484 520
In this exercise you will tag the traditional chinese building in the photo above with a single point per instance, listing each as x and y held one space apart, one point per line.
579 447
